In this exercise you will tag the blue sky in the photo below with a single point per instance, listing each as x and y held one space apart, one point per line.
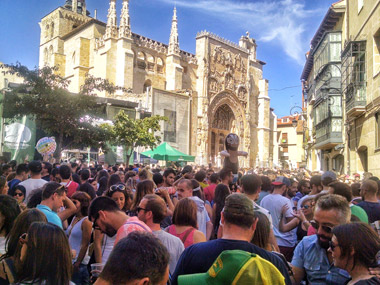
282 29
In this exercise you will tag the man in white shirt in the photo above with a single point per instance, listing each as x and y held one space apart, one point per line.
152 210
35 181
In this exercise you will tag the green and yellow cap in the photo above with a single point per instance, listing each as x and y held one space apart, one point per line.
236 267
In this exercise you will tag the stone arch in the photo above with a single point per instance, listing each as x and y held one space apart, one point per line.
50 56
141 60
237 124
147 84
160 65
363 158
229 98
52 30
47 28
151 61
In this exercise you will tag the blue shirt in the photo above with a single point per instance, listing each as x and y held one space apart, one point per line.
51 216
313 259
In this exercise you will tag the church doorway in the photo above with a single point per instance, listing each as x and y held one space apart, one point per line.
222 124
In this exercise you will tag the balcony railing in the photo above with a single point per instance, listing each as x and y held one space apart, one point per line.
328 133
356 100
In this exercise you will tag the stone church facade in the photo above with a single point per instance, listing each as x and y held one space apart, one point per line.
206 95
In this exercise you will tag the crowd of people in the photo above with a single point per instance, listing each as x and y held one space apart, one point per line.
73 223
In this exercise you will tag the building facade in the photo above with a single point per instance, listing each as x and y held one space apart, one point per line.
345 82
206 95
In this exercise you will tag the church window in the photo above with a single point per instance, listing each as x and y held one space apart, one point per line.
47 28
141 60
160 65
170 126
46 56
50 57
150 62
52 30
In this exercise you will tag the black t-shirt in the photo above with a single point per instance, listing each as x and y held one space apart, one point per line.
199 257
372 209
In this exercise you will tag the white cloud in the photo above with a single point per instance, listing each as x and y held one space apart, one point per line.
282 22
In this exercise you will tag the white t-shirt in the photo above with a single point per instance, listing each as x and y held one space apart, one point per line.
173 244
274 203
264 211
202 215
30 185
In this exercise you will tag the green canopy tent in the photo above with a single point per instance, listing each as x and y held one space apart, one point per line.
165 152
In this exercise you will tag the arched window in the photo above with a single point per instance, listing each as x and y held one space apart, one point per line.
47 29
147 85
141 60
160 65
52 30
46 56
150 62
50 57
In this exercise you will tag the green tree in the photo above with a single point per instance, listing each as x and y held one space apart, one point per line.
131 133
70 118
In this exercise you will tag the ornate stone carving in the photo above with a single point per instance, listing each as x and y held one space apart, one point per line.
214 85
111 29
125 26
242 94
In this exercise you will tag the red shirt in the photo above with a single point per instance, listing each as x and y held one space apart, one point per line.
209 192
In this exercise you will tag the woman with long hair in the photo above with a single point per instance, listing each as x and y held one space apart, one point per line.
354 248
79 234
220 195
114 179
185 225
13 246
3 185
143 188
45 256
9 210
262 232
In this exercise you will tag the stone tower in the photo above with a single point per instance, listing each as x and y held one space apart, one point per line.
174 70
57 24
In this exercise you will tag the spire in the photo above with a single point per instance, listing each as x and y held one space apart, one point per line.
111 29
173 40
125 25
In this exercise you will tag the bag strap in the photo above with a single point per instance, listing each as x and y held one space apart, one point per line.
135 223
187 233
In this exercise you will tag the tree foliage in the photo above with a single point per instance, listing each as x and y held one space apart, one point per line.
131 133
67 116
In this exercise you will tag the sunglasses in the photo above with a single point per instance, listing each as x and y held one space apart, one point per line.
139 209
23 238
305 207
120 187
18 194
94 225
316 226
332 246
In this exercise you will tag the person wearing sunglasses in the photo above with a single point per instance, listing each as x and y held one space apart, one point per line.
353 248
311 259
53 199
103 244
19 194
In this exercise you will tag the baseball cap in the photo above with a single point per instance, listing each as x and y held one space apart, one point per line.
238 204
236 267
329 174
281 180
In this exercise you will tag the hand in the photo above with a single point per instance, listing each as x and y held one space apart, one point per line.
284 209
163 192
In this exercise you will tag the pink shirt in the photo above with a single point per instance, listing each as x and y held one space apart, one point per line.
131 225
